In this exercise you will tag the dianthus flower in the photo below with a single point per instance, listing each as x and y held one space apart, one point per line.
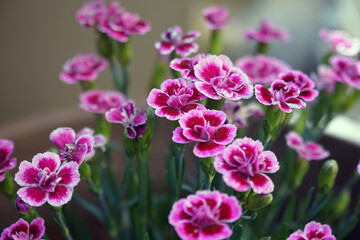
340 42
82 67
216 17
208 129
326 78
290 90
262 69
238 113
121 26
6 149
173 39
77 147
21 230
267 33
204 215
313 231
130 117
91 13
21 206
45 180
243 164
347 69
217 78
307 150
186 65
101 101
174 98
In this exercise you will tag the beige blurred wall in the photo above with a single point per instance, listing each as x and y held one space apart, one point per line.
38 36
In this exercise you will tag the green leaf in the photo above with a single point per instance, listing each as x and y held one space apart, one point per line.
90 207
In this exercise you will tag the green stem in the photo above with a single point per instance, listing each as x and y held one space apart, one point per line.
207 165
115 74
158 73
215 42
214 104
60 220
262 48
87 85
143 193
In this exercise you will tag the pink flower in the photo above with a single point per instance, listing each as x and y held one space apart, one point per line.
82 67
91 13
121 26
347 69
186 65
21 206
130 117
238 113
291 90
217 78
267 33
326 78
216 17
243 163
77 147
206 127
174 40
340 42
101 101
204 215
175 98
261 68
22 231
6 149
45 180
307 150
313 231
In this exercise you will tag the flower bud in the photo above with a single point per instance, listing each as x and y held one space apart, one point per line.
327 176
259 201
341 203
21 206
105 46
301 166
124 52
84 170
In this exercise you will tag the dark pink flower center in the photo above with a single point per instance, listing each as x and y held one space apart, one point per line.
204 217
22 236
68 153
47 180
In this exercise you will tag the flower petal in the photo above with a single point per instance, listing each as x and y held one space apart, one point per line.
62 136
69 174
33 196
236 181
225 134
37 228
261 184
207 149
60 196
179 137
27 174
48 160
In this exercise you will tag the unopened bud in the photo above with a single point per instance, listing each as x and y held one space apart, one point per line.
84 170
259 201
327 176
341 203
105 46
21 206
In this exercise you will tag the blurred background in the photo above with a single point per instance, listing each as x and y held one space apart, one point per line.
38 37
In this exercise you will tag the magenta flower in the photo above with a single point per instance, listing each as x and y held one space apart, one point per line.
340 42
6 149
238 113
347 70
291 90
130 117
44 180
173 39
267 33
82 67
121 26
21 230
175 98
326 78
77 147
101 101
217 78
307 150
204 215
186 65
262 69
216 17
208 129
313 231
91 13
243 164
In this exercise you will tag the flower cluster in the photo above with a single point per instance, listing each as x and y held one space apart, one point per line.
204 215
290 90
112 20
307 150
267 33
173 39
243 163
